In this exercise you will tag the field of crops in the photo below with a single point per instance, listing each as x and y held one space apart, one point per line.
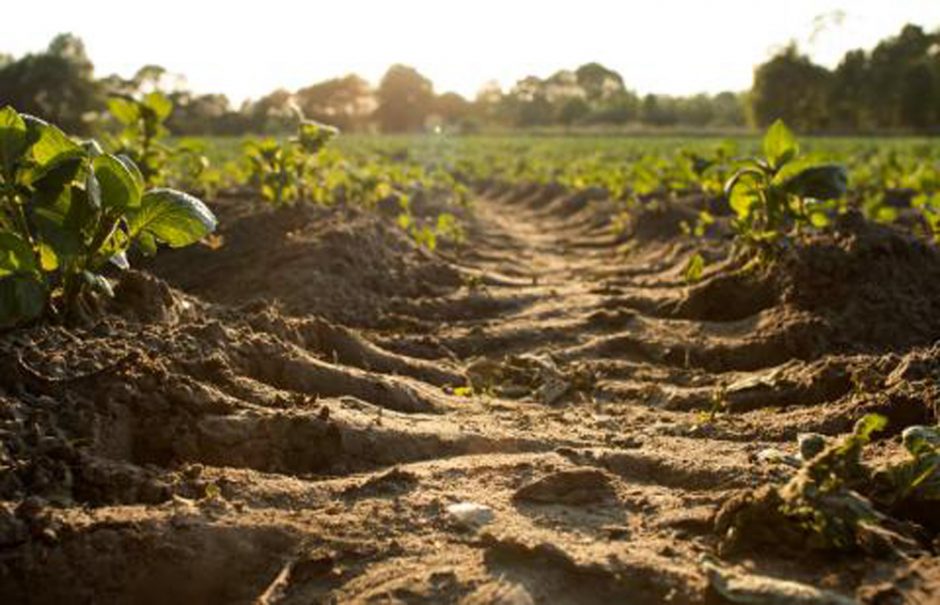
435 369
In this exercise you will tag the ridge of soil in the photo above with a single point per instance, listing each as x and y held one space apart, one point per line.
284 419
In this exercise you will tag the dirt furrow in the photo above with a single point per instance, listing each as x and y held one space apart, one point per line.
550 415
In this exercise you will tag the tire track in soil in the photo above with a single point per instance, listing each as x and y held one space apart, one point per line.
330 460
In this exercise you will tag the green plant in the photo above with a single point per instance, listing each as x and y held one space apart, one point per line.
694 269
140 140
916 479
718 403
450 229
929 207
192 169
824 496
837 501
68 210
773 194
284 172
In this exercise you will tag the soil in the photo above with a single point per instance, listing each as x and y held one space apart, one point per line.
284 417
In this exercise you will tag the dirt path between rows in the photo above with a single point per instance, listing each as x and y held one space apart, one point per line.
259 455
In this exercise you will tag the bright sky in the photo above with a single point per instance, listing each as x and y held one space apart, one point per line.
248 48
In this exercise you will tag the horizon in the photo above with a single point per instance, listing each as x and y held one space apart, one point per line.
278 53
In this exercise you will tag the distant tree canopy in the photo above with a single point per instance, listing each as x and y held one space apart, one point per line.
344 102
58 82
789 87
405 99
895 86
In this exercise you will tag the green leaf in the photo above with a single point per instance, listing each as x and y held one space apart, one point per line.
313 135
52 182
825 182
742 198
125 110
51 145
694 268
62 223
22 297
13 140
133 169
819 219
159 104
48 259
921 439
93 191
780 145
16 255
173 217
870 424
119 187
146 244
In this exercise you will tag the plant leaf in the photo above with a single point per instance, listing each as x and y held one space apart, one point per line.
52 145
780 144
16 255
173 217
22 297
694 268
119 187
870 424
824 182
161 106
12 138
125 110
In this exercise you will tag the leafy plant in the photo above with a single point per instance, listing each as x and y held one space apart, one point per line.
782 190
823 497
917 479
192 169
694 268
284 171
67 211
838 502
140 140
929 207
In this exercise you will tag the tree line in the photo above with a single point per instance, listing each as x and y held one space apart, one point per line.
893 87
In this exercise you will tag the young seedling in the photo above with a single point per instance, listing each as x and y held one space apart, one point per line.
140 140
284 172
192 170
69 210
838 502
781 191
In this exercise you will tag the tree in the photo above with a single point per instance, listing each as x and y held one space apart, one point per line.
57 84
405 99
573 110
729 110
199 114
344 102
792 88
272 113
452 108
527 103
598 82
850 93
902 81
658 110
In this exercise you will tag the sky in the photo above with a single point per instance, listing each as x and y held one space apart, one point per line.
246 49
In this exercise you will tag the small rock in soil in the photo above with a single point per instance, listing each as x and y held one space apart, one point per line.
577 486
470 514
